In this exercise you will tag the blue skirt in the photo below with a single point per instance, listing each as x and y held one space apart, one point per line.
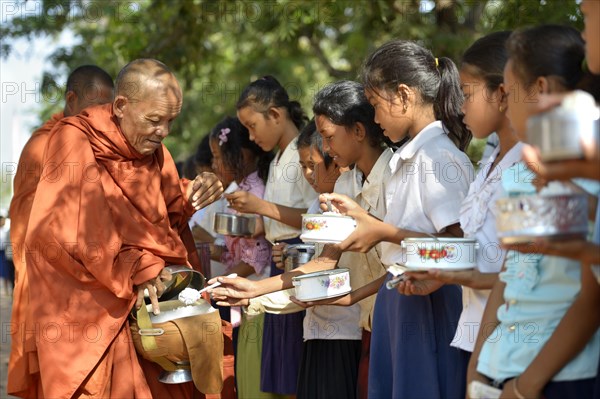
282 348
411 356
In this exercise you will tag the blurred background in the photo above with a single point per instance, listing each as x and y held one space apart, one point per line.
217 47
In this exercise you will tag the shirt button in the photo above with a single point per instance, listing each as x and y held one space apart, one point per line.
512 328
512 302
520 275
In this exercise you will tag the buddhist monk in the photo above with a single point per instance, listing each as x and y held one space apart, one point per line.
109 214
87 85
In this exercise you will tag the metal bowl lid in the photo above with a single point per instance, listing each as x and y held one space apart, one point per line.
321 273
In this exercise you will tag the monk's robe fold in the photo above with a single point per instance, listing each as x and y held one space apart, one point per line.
104 219
20 366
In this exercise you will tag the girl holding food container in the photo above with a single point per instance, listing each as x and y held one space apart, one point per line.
543 309
484 109
349 134
240 163
415 96
273 120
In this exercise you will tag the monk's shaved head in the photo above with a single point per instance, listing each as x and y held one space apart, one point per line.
147 100
146 77
87 85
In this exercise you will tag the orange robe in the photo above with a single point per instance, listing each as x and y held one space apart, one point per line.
104 219
20 367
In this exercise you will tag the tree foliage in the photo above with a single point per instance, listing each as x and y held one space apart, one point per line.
217 47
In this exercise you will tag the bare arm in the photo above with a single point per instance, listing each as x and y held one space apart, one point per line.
349 299
245 202
489 322
572 334
241 288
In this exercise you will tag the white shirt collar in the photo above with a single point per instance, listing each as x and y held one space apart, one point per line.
408 150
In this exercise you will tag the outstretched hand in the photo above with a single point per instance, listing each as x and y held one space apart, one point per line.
204 190
243 201
232 288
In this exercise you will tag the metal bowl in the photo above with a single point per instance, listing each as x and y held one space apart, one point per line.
234 225
522 219
559 133
296 255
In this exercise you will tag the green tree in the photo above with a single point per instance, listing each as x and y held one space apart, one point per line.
217 47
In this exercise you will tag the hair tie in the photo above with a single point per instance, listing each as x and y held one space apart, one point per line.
223 136
437 63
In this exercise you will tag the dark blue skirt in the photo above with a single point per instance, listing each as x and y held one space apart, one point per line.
411 356
282 348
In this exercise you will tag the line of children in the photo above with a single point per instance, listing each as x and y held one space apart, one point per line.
428 191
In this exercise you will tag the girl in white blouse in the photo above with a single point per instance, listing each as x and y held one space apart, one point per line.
485 112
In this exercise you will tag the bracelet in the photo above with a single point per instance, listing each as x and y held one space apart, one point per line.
516 390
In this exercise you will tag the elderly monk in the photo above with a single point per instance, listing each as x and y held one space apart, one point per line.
110 213
87 85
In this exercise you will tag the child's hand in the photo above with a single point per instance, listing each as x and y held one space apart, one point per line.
233 302
277 252
344 300
576 249
469 278
418 283
515 385
236 287
564 170
340 204
243 202
368 233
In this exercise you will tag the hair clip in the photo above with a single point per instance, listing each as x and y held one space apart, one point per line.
223 136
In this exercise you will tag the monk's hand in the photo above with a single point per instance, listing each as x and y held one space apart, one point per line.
155 287
204 190
244 202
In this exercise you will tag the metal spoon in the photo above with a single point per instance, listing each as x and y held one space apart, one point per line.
218 283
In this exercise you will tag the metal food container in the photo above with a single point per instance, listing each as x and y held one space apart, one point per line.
296 255
322 285
448 253
559 133
170 343
523 219
234 225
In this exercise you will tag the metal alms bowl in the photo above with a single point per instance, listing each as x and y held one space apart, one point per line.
296 255
234 225
181 277
559 133
522 219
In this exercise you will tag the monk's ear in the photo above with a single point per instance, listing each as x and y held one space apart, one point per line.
70 102
119 105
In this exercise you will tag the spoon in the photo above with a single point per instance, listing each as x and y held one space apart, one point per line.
218 283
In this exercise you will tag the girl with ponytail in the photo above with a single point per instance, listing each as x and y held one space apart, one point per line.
417 97
273 121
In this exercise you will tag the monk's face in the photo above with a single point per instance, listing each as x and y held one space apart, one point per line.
146 119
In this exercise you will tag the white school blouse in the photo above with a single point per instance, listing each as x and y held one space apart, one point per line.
286 186
430 178
478 220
